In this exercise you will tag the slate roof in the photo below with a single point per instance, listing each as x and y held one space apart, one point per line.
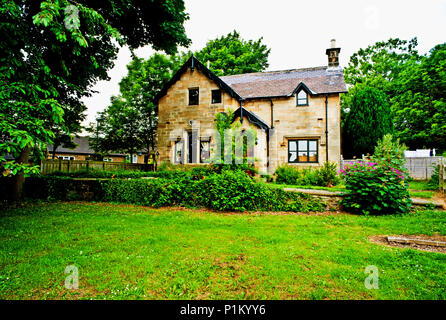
318 80
82 148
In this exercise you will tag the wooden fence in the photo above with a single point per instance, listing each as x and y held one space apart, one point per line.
419 168
50 165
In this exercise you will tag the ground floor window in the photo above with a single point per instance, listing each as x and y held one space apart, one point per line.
302 151
205 148
178 156
107 159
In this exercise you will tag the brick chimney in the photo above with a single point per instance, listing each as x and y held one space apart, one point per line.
333 54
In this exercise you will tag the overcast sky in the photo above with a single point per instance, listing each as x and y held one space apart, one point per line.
298 32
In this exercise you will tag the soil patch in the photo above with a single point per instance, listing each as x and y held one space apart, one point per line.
398 241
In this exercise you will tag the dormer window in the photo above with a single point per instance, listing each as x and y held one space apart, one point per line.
302 98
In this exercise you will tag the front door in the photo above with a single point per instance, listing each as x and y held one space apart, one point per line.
191 147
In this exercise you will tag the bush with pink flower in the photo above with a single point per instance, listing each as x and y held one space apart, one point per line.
379 185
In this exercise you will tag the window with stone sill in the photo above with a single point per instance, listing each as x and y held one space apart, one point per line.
302 151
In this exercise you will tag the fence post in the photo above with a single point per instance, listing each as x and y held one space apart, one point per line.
88 165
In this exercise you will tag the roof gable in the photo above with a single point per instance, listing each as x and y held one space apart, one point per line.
252 117
193 63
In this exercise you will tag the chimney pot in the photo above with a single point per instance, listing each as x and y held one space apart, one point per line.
333 54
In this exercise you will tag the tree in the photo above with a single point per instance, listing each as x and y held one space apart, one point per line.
368 120
231 54
54 51
129 123
419 103
379 64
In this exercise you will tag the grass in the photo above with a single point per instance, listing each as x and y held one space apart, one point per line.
131 252
420 185
422 194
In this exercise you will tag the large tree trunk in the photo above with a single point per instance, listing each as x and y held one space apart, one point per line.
17 180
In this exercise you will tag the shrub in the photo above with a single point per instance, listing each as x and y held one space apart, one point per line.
434 181
391 153
228 191
375 188
324 176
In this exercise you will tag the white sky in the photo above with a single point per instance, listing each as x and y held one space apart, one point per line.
298 32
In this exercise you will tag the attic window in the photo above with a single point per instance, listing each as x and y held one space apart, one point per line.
302 98
216 96
193 96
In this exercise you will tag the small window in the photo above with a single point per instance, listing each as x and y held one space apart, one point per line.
67 158
178 156
302 151
205 148
216 96
107 159
193 96
302 98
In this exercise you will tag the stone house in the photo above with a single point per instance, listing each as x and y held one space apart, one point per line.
296 113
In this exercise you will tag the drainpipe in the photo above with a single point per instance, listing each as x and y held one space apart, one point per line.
241 111
326 127
272 113
192 64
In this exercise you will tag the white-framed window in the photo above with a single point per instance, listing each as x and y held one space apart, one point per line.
135 158
302 98
107 159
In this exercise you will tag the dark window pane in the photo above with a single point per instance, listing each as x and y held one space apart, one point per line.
193 96
216 96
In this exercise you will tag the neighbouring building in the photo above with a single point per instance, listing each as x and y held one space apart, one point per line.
82 151
296 113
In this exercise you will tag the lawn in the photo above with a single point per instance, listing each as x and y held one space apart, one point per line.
131 252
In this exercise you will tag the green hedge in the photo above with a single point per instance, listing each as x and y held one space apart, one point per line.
227 191
323 176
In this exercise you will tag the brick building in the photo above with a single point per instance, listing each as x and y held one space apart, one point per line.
296 113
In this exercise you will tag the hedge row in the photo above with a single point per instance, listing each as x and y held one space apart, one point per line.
228 191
